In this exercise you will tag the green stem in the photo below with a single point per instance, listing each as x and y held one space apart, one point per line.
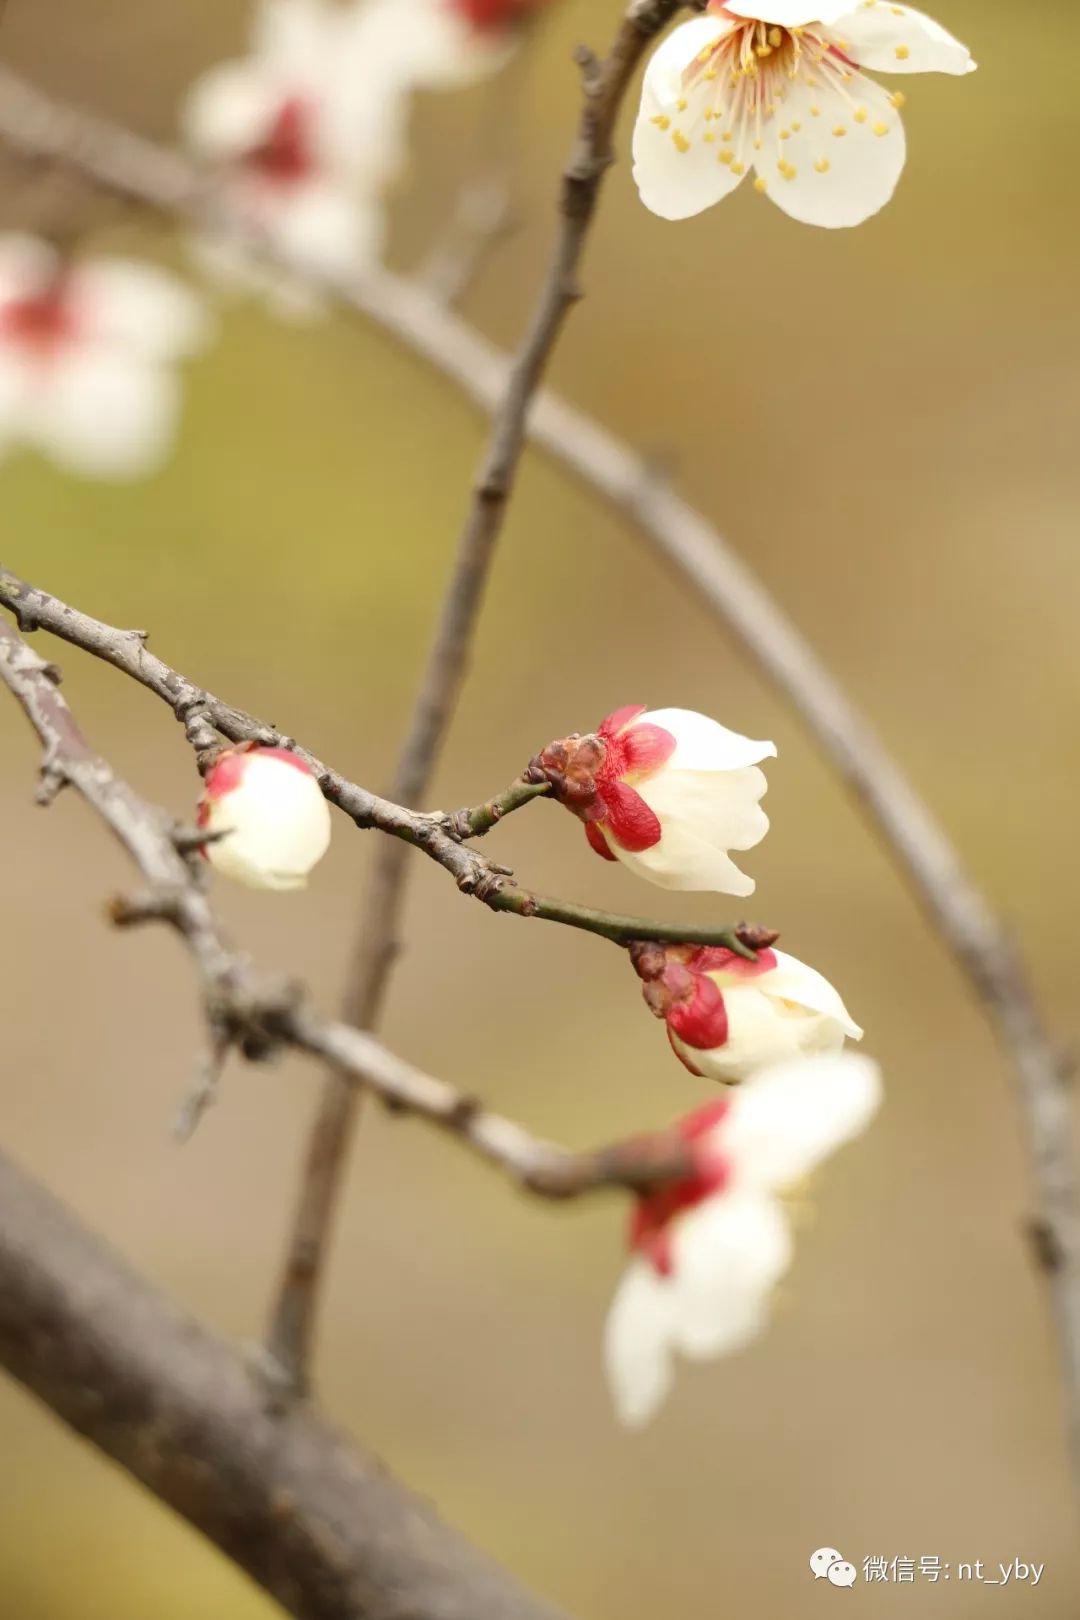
610 925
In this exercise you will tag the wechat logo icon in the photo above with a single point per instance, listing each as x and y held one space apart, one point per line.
829 1565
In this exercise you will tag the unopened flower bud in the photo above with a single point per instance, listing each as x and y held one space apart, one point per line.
269 811
668 793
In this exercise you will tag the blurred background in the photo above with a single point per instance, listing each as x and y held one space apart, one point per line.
883 421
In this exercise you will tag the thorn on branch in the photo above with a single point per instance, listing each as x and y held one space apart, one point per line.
205 1092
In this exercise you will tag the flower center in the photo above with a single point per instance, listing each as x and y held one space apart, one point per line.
286 154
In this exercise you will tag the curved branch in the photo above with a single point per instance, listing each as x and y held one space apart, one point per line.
314 1519
964 920
258 1015
437 833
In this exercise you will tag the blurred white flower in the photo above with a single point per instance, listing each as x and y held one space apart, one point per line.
86 357
666 791
778 87
305 133
271 811
708 1250
442 44
728 1017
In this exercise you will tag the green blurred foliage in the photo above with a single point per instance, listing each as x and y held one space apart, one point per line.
884 421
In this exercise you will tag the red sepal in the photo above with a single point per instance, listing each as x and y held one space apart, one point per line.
629 820
645 748
718 959
699 1074
701 1021
618 719
597 842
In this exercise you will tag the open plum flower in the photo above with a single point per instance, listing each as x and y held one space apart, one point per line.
727 1017
272 822
305 132
778 87
87 352
708 1250
442 44
666 791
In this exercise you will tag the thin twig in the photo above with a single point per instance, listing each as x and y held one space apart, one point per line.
260 1015
439 834
963 918
291 1329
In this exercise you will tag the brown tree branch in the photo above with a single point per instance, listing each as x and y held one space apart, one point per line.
260 1015
439 834
292 1324
963 918
314 1519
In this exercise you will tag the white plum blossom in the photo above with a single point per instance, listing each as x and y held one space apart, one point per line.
441 44
269 811
728 1017
707 1251
778 87
305 134
666 791
87 357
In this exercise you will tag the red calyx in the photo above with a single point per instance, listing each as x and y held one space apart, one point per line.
593 776
45 322
650 1224
678 987
487 16
286 154
227 771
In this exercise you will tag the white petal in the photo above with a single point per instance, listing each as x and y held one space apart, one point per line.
727 1256
683 862
429 44
833 179
637 1343
677 163
277 824
329 229
793 980
703 814
103 413
295 40
782 1123
790 13
899 39
140 307
702 744
15 384
26 265
759 1034
229 110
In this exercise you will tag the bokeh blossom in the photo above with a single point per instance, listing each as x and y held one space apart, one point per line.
87 357
708 1250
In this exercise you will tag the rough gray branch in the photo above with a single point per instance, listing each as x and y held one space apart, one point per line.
314 1519
291 1331
961 914
259 1015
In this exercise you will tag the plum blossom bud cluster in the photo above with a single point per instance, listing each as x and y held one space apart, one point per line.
670 793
